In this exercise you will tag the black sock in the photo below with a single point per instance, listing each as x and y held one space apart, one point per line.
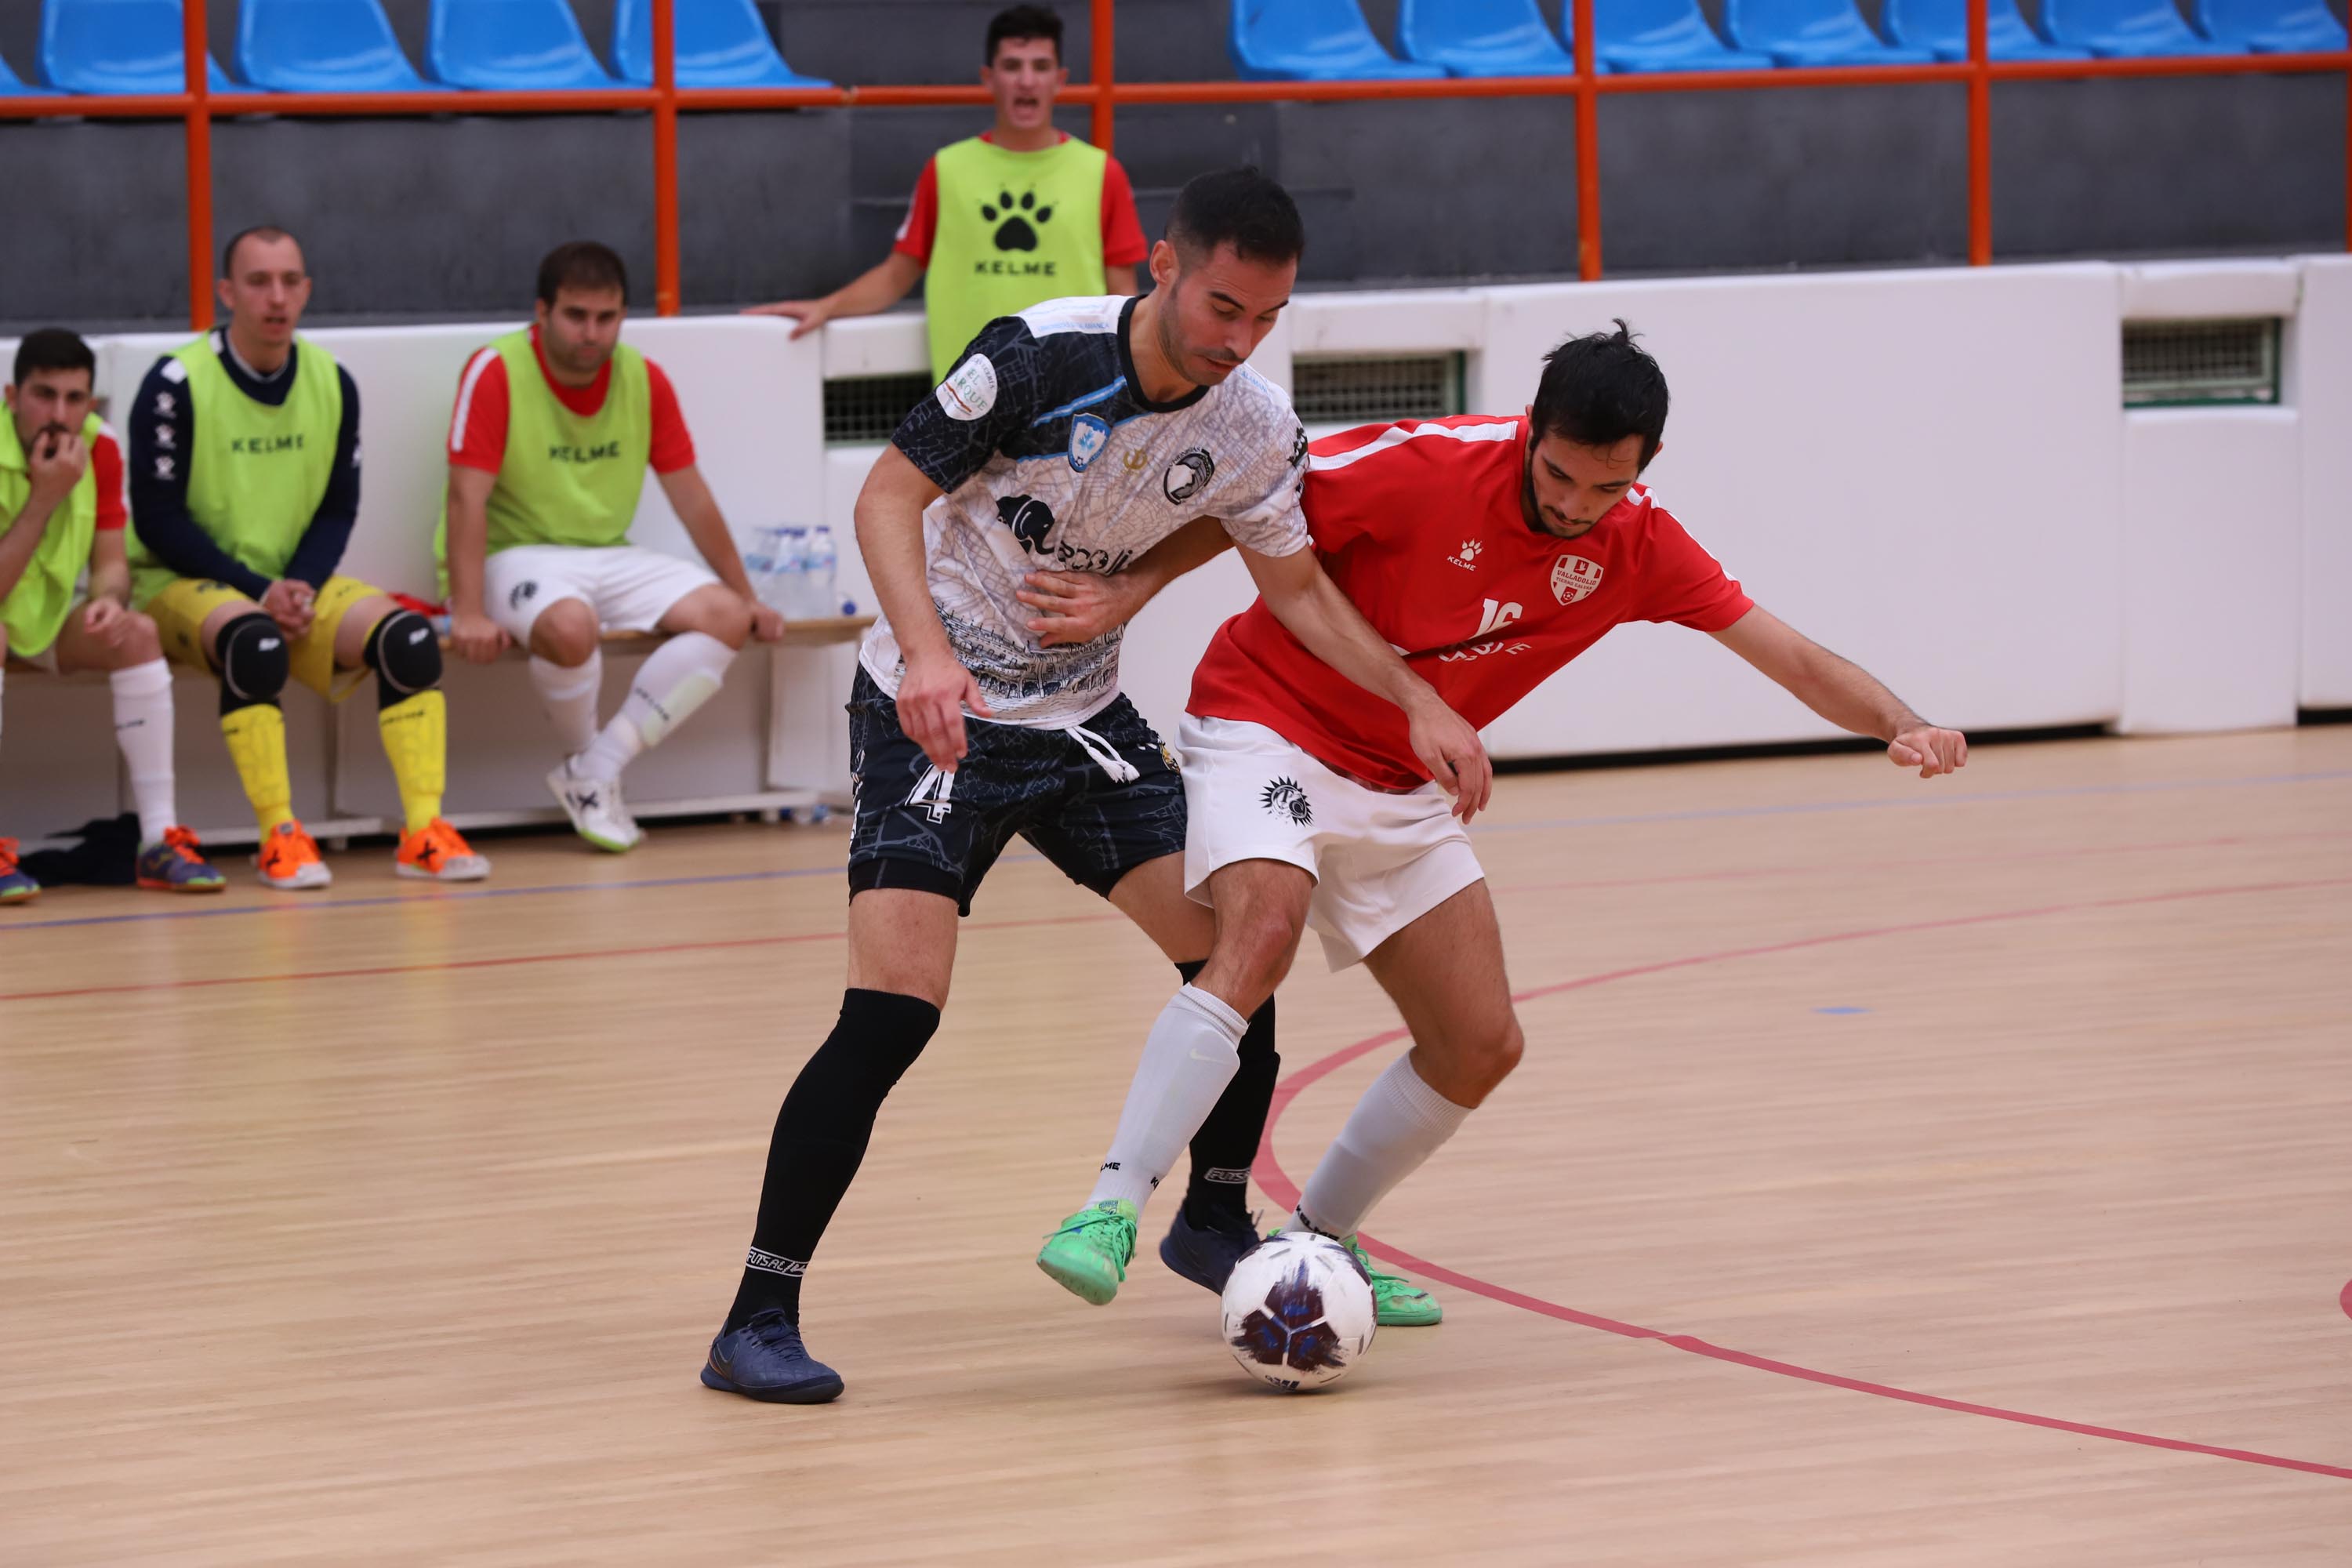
1226 1145
820 1139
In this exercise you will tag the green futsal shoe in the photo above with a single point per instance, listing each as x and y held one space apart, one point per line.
1088 1256
1398 1303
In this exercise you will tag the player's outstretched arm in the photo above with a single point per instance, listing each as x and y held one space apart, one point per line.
1314 610
698 510
875 290
936 690
1843 693
1079 606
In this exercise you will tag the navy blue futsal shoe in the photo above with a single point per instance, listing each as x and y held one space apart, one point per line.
1205 1254
764 1359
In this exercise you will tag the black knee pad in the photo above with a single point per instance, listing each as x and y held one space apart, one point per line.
405 654
254 661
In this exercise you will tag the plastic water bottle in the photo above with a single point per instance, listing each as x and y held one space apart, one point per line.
823 562
777 563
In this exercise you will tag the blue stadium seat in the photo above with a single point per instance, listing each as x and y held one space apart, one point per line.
1814 33
511 46
1943 25
721 43
322 45
1312 40
117 47
1662 36
8 82
1481 38
2128 27
2270 27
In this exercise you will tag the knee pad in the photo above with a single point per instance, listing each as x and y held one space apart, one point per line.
405 654
254 662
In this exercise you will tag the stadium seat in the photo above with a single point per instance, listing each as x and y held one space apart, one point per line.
1480 38
117 47
721 43
8 82
1312 40
1662 36
2270 27
2130 28
1814 33
322 45
511 46
1943 25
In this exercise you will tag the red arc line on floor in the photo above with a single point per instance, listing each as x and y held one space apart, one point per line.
1279 1186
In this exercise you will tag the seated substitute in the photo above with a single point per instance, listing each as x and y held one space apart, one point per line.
62 513
244 483
549 443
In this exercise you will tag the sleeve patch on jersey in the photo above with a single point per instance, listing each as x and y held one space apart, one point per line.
969 390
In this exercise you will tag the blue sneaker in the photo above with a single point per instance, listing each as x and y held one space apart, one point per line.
764 1359
16 888
1205 1254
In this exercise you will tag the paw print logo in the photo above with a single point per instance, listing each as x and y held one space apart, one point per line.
1014 220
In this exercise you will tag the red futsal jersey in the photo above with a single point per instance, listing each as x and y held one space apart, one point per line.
1420 525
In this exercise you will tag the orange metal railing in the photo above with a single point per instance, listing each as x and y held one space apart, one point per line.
197 106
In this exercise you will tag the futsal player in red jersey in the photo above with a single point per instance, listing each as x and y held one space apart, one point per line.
1490 552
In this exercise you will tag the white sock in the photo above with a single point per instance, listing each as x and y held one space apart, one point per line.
683 674
142 728
570 696
1192 1052
1400 1122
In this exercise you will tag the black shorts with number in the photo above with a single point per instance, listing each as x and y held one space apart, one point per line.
937 833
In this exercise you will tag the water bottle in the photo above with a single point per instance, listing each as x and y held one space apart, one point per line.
823 562
777 563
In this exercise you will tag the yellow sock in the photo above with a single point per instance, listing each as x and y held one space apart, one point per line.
416 740
256 744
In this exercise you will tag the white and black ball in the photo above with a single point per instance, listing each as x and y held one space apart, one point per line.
1299 1311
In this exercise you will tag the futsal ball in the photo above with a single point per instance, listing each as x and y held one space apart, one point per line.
1299 1311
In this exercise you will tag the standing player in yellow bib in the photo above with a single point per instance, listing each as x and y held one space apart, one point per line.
244 483
1017 216
549 443
61 513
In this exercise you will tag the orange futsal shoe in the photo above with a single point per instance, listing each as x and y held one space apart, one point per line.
289 859
437 851
177 865
16 888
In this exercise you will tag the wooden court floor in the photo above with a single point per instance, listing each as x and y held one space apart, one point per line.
1900 1173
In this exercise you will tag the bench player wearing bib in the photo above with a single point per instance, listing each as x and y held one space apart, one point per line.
61 515
1497 551
1079 436
553 430
244 483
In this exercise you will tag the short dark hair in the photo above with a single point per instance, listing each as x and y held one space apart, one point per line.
1599 389
580 264
53 348
1022 22
1245 209
258 231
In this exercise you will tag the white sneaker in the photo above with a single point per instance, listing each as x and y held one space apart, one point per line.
596 809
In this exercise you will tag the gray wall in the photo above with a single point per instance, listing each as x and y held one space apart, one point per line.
449 215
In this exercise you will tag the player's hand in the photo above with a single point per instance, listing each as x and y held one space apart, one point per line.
54 465
1930 750
809 314
1450 748
288 602
931 703
477 639
767 622
1079 606
107 621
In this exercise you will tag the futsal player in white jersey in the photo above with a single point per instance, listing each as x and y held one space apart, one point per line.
1074 438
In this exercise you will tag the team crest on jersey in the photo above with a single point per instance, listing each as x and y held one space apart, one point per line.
1573 578
1088 436
1189 475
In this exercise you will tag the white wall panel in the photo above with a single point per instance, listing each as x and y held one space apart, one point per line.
2319 385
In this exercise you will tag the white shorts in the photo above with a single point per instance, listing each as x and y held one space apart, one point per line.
630 589
1379 861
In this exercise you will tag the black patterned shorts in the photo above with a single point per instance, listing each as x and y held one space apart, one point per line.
939 833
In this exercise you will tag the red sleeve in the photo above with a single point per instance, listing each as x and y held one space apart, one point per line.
1344 500
1684 584
107 472
478 424
1122 231
922 220
673 448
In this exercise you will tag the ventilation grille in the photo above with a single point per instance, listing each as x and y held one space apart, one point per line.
1369 391
865 410
2201 362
